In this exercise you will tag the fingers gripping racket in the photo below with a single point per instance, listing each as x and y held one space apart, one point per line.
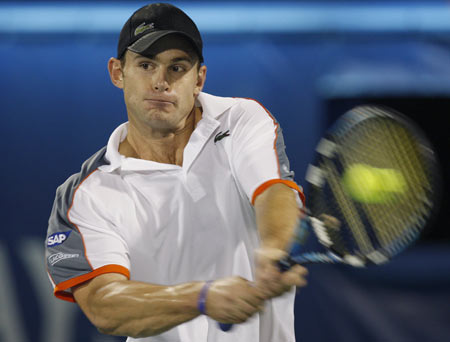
372 188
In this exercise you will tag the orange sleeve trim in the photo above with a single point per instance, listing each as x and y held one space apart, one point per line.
60 289
260 189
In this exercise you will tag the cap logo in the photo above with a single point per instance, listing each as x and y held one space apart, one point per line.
143 27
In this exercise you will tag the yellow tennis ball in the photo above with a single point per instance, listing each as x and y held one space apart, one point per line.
362 183
392 181
369 184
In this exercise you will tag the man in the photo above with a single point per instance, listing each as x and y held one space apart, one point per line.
178 222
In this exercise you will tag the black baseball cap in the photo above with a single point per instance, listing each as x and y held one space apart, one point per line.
154 21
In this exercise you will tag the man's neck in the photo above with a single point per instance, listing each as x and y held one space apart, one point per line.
167 149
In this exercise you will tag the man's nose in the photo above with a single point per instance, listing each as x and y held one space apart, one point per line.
160 82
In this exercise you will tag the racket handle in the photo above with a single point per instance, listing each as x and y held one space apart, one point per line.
286 264
225 326
301 235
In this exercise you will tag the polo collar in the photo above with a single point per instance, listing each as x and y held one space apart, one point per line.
213 107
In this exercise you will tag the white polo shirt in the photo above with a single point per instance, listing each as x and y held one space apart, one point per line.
165 224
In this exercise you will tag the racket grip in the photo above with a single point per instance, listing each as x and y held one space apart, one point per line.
225 326
301 235
285 264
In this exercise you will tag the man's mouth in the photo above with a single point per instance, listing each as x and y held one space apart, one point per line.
160 101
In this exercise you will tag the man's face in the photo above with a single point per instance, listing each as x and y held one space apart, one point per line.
160 89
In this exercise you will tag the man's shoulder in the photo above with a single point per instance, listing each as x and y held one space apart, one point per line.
87 168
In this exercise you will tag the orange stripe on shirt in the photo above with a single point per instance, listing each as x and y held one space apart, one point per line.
60 289
260 189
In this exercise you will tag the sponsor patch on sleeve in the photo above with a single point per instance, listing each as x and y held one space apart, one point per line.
57 238
55 258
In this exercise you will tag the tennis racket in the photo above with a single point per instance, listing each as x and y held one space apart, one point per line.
371 190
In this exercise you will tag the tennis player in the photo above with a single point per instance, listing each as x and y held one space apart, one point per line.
178 222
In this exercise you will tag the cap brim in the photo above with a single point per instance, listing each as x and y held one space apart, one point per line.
143 44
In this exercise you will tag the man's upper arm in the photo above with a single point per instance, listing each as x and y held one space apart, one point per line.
258 151
81 244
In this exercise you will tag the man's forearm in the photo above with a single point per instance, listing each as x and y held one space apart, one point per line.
277 213
118 306
136 309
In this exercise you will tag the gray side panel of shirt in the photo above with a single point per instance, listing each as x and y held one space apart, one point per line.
65 253
285 169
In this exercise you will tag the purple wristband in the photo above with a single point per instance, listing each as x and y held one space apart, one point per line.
201 302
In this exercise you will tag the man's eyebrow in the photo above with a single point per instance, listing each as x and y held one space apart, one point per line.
173 60
152 57
182 59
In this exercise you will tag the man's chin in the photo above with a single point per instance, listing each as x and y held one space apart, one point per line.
162 125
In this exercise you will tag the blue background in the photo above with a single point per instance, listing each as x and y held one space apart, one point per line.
59 107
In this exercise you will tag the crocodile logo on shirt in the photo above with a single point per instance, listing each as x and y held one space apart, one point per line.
219 136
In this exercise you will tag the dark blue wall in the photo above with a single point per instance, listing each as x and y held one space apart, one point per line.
58 107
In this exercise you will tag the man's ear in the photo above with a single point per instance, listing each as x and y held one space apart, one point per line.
201 78
115 72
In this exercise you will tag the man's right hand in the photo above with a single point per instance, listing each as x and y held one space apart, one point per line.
233 300
271 281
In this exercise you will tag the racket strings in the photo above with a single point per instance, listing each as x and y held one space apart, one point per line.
391 222
348 211
362 146
381 144
416 202
415 166
388 156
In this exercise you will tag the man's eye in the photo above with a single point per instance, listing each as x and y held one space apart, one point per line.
177 68
144 66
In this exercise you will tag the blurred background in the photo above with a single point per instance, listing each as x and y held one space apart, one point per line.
306 61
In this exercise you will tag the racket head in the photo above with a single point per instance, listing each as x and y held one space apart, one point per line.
395 196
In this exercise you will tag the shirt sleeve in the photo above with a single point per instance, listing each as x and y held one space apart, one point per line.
258 151
81 244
